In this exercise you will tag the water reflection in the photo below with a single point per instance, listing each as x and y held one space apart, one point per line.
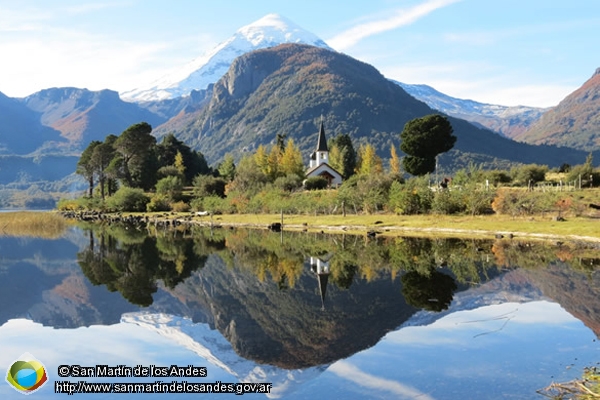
262 309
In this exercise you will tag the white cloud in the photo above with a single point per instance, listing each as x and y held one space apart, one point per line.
91 7
25 20
352 373
400 18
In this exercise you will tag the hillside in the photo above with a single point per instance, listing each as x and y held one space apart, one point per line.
20 129
81 115
574 122
286 89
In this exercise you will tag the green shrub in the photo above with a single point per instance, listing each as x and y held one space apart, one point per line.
316 183
288 183
68 205
208 185
180 206
81 203
448 202
496 177
414 197
169 170
170 187
531 174
128 199
158 202
520 202
212 204
368 193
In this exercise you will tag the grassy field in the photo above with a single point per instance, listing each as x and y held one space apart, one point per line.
45 225
581 228
52 225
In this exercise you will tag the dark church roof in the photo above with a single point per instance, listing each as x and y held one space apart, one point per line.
322 142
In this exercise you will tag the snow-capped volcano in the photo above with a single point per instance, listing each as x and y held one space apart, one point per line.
271 30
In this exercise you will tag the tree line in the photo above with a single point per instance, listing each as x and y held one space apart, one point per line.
132 172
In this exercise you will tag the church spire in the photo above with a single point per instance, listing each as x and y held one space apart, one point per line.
322 141
321 154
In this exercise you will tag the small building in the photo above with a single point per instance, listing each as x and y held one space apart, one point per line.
318 165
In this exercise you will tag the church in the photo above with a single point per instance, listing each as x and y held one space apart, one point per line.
319 159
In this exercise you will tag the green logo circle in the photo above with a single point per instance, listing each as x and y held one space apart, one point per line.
26 374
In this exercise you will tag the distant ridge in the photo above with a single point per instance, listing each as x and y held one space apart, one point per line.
505 120
574 122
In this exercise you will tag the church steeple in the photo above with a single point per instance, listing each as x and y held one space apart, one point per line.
322 141
321 154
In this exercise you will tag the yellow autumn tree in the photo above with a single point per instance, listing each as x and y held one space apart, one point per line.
290 162
395 164
261 159
273 160
370 162
179 164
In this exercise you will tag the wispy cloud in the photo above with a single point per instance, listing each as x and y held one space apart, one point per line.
91 7
400 18
29 19
348 371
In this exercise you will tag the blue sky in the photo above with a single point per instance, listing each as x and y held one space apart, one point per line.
509 52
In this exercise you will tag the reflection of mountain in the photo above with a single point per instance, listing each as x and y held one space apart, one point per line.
288 328
40 280
576 291
214 348
237 296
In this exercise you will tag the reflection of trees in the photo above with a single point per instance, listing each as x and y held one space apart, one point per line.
133 262
265 255
534 255
344 274
432 292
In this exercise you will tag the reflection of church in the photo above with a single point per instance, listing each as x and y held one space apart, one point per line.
321 268
319 162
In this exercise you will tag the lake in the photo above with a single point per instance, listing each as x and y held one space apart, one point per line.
306 315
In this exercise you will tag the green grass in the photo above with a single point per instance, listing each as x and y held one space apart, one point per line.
582 228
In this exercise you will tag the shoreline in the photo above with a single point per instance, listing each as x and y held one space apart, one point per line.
413 231
487 227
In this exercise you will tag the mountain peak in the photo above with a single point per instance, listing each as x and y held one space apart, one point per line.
269 31
275 21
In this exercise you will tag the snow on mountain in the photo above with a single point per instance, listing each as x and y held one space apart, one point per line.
214 348
452 105
502 119
269 31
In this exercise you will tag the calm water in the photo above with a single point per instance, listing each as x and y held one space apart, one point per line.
316 316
